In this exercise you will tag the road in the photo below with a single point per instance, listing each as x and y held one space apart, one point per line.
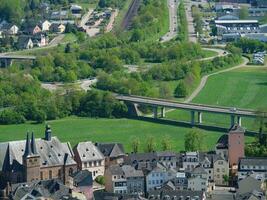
172 33
190 25
187 106
84 84
205 78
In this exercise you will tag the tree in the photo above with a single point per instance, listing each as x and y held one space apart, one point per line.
100 180
102 3
135 144
180 90
243 13
68 48
151 144
9 116
165 91
225 178
166 143
194 140
39 116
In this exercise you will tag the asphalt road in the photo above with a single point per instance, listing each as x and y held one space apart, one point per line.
186 106
172 5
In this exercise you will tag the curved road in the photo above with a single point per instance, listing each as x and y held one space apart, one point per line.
205 78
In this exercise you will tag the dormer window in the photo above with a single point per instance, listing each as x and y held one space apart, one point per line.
83 155
87 149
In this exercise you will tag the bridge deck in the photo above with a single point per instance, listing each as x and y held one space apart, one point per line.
17 57
188 106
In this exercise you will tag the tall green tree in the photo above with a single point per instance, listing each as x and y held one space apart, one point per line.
194 140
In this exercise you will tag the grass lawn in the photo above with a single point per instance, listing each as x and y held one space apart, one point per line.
209 53
241 88
75 129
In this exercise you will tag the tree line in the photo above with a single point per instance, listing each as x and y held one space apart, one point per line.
22 98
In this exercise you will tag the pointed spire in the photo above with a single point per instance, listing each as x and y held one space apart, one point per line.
27 150
33 145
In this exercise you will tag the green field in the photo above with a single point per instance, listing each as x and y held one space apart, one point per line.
242 88
106 130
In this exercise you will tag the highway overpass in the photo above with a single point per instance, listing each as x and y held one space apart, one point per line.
235 114
6 60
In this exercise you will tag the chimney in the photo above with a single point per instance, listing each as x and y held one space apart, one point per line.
48 133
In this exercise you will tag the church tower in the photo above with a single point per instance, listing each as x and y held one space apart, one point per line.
31 160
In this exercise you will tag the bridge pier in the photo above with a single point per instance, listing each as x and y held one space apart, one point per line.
192 117
199 114
232 120
163 112
239 120
155 112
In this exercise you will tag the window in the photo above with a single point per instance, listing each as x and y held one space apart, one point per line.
41 175
85 164
70 171
50 174
59 173
218 170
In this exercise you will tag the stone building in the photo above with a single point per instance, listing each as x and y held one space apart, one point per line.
36 159
89 157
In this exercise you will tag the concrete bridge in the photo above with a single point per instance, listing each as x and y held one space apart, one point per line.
6 60
235 114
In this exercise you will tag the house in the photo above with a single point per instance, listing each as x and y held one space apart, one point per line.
198 180
57 28
135 180
221 147
257 166
221 171
37 159
32 30
206 161
180 182
157 175
46 189
25 42
39 40
82 182
250 187
63 14
9 29
88 156
45 25
115 180
76 10
261 3
140 160
176 194
113 153
190 160
101 195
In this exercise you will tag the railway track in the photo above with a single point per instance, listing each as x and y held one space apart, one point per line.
132 11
